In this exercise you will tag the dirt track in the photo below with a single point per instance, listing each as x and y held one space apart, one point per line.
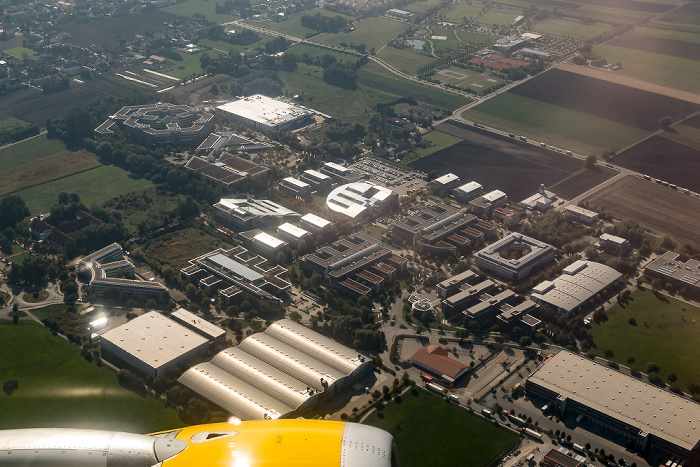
616 78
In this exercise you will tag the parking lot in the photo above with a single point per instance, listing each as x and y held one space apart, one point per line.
403 181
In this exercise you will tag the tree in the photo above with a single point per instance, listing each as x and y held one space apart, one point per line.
525 341
295 316
497 409
13 210
665 123
652 368
631 360
590 161
9 386
672 377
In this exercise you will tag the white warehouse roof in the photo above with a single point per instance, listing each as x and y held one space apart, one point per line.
446 179
264 110
353 199
293 230
269 240
319 222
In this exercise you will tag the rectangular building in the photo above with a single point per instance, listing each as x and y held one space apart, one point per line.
445 183
295 187
522 255
292 234
452 285
682 275
468 192
315 224
321 182
583 215
265 114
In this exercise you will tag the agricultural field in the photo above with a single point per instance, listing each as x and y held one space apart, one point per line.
673 72
28 151
686 15
603 99
57 387
94 187
567 27
373 32
468 78
220 46
314 51
668 46
463 439
659 209
460 10
421 6
177 248
663 158
406 60
53 167
582 181
558 126
110 28
436 140
205 8
663 328
498 162
375 76
20 52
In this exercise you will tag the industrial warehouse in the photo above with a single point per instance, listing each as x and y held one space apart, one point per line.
651 418
276 373
262 113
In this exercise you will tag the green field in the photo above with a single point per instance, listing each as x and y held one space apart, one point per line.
460 10
292 25
94 187
190 64
669 34
218 46
450 44
314 51
477 38
381 79
343 104
570 28
421 6
533 118
673 72
463 438
467 78
438 139
373 32
177 248
57 387
28 151
206 8
666 333
500 18
19 52
406 60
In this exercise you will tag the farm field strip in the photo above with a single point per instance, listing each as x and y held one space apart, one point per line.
604 99
98 30
28 151
662 210
55 166
670 47
553 119
669 34
373 32
406 60
201 7
94 187
633 82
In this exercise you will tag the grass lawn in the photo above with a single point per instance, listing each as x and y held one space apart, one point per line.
406 60
18 52
478 38
569 28
314 51
28 151
94 187
373 32
674 72
520 114
177 248
584 32
203 7
473 79
57 387
189 64
292 25
53 167
450 44
440 141
666 333
421 6
463 438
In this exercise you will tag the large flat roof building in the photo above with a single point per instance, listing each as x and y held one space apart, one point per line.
153 344
361 198
683 275
651 418
292 234
468 192
262 113
583 215
161 123
321 182
315 224
199 325
276 373
228 169
425 221
436 361
445 182
494 258
578 283
248 213
339 173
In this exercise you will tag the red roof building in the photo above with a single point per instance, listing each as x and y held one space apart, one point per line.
434 360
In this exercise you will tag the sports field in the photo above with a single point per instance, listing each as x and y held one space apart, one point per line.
467 78
569 129
660 209
664 334
94 187
463 438
373 32
57 387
